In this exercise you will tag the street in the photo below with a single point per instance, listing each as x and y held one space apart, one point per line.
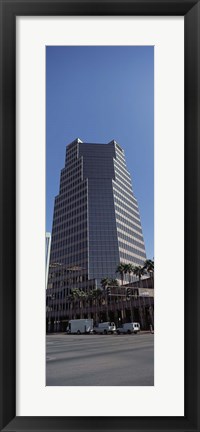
100 360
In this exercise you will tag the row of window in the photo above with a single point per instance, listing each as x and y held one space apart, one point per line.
102 220
126 205
128 216
72 147
101 274
104 271
129 258
70 179
58 307
70 168
126 182
70 246
71 184
128 195
100 257
62 233
102 211
70 214
61 223
71 156
72 198
127 230
66 204
78 221
67 281
72 150
120 157
122 169
97 233
79 205
71 203
97 182
66 275
71 171
126 222
118 192
100 205
103 243
66 186
71 192
132 250
117 147
70 259
105 235
123 237
97 259
126 188
68 236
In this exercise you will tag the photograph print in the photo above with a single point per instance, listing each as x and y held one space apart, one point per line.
99 216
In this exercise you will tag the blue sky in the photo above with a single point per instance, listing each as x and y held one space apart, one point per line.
100 93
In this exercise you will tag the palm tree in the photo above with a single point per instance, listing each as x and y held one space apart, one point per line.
139 271
73 297
94 295
78 296
129 268
82 296
121 270
74 294
113 282
149 266
105 282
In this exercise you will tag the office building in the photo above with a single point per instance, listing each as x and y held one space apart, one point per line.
96 223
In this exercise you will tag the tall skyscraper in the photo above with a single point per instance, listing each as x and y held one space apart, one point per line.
96 222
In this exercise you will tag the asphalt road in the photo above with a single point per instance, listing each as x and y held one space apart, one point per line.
100 360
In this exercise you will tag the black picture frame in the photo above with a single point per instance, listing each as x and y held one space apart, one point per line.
10 9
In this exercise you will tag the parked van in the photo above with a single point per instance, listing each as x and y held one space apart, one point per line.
80 326
105 328
129 328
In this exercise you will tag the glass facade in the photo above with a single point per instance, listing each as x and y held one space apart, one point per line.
96 221
103 251
129 230
69 249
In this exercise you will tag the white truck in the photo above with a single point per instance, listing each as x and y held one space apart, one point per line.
80 326
129 328
105 328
